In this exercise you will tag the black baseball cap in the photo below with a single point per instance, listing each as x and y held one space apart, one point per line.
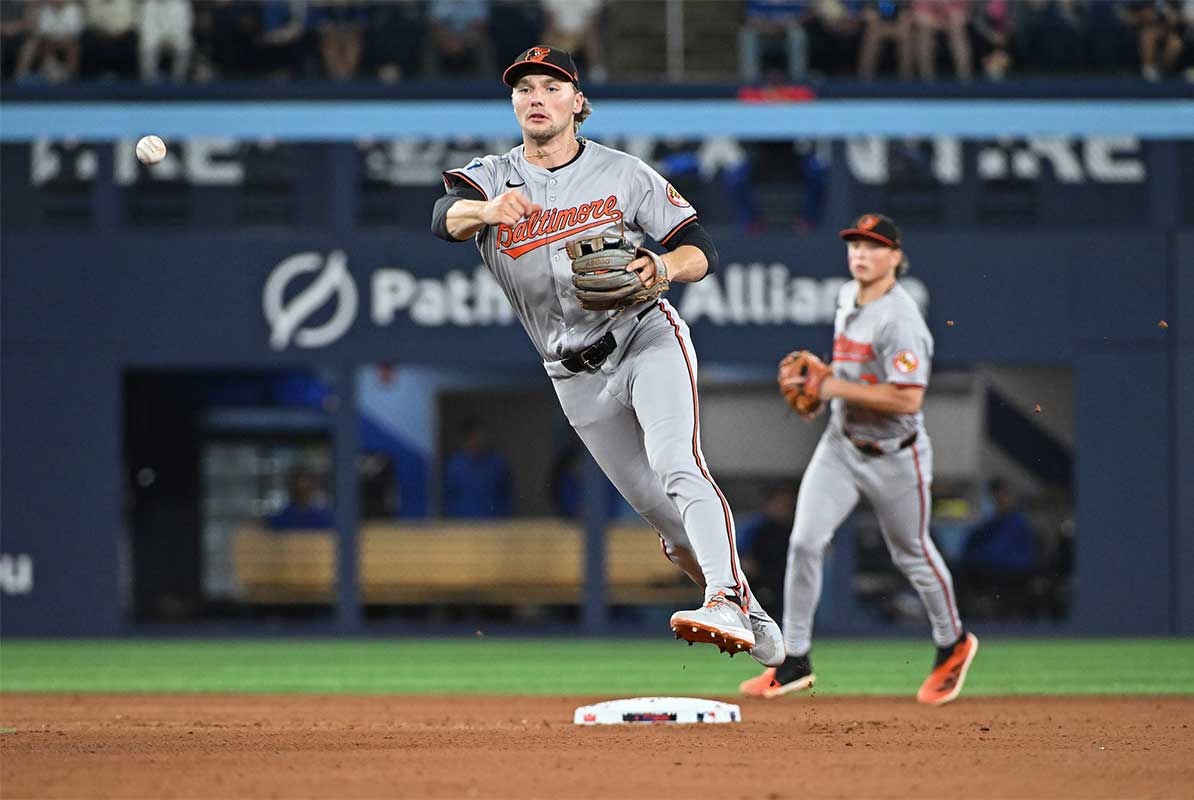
875 227
542 60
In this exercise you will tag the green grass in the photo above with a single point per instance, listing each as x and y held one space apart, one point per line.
574 666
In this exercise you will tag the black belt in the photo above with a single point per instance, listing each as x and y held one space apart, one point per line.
592 356
595 354
872 448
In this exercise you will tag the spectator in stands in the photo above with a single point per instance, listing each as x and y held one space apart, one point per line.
768 21
763 544
476 480
566 485
306 508
53 50
283 47
340 27
934 18
575 26
166 27
460 37
834 29
1049 35
1186 59
1158 27
991 35
1000 555
226 35
110 39
394 40
17 20
1108 44
885 21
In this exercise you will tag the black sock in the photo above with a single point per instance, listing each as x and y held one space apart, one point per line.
794 668
943 653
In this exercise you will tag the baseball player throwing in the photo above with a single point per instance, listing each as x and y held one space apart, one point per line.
559 221
874 446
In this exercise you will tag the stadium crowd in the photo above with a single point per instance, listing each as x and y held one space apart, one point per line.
778 40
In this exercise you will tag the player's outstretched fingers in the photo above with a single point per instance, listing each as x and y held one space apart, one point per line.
790 383
644 267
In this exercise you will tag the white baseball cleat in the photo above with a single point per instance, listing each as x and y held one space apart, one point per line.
720 621
769 640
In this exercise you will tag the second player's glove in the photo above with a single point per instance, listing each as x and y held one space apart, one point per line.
800 376
600 276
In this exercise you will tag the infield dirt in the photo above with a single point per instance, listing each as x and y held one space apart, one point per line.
232 746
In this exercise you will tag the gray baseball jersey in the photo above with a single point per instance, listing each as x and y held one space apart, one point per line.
886 341
886 458
638 411
602 191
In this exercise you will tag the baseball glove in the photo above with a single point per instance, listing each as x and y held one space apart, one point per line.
800 376
600 276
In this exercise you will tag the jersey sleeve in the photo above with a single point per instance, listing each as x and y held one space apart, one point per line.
905 351
660 211
480 174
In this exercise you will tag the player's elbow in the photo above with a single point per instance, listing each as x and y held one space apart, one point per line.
709 257
909 399
439 219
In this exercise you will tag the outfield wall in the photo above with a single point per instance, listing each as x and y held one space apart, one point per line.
79 311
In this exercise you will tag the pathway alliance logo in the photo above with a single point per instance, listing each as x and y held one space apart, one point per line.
311 301
287 316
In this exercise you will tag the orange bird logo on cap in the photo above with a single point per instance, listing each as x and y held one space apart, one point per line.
537 53
867 221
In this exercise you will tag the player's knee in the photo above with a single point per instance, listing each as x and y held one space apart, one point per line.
683 481
907 560
920 572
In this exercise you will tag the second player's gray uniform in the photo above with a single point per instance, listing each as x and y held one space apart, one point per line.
638 412
884 457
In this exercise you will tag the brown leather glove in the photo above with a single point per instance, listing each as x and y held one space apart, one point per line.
600 276
800 376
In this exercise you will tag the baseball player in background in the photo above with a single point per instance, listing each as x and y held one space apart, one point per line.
559 221
875 446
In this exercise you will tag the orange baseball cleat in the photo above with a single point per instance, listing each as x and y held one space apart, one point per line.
794 675
759 684
949 672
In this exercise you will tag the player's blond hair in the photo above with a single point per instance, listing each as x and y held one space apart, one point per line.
578 119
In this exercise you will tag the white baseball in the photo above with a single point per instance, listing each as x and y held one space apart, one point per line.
150 150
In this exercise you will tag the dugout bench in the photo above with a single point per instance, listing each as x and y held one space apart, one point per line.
537 561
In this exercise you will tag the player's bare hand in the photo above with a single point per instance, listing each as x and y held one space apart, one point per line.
789 383
644 267
508 208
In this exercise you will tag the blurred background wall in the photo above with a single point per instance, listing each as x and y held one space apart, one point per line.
246 387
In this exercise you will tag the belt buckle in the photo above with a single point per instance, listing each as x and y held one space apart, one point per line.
868 447
585 360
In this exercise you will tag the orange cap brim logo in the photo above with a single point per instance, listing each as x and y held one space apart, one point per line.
867 221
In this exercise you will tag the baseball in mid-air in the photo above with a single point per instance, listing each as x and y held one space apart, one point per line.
150 149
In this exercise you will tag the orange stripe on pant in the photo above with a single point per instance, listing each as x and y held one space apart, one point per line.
739 584
924 529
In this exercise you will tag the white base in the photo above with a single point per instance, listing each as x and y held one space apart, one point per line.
676 710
